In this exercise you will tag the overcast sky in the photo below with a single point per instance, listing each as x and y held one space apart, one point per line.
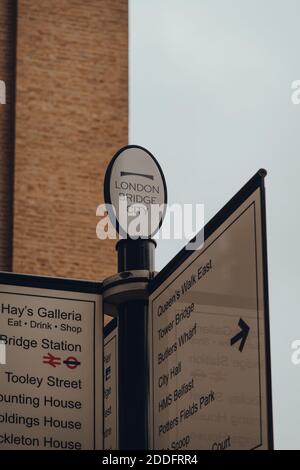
210 96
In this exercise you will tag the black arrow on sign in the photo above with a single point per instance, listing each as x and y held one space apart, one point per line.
242 335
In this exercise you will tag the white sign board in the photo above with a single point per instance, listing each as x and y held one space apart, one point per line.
51 384
111 387
135 187
209 339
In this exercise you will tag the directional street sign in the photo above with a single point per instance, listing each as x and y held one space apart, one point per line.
210 385
51 394
199 377
111 386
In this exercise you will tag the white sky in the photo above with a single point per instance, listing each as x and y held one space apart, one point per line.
210 96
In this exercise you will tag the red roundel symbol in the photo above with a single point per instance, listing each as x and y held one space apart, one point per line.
72 362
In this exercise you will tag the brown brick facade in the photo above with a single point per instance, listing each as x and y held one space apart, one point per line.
7 75
71 116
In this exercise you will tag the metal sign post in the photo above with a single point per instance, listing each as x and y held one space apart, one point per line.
134 179
133 350
194 366
185 364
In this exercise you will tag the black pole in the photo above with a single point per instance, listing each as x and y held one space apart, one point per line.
133 365
136 254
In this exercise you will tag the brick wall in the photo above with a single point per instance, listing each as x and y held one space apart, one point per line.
71 116
7 74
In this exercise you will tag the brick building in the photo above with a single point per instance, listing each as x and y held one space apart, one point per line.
64 63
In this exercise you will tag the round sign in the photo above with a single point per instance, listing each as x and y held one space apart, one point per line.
135 192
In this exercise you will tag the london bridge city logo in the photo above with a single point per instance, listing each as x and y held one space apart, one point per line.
137 200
